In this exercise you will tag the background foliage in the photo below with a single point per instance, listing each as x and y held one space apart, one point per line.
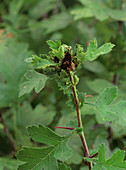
25 26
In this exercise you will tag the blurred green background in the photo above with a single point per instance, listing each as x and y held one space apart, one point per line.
25 26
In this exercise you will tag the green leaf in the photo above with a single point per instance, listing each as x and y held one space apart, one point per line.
64 82
40 114
97 167
104 113
103 139
107 96
87 159
84 168
80 52
34 80
81 98
93 52
63 167
101 153
47 136
43 134
115 162
120 109
95 67
62 151
37 11
9 164
44 64
99 10
40 63
37 158
12 68
56 22
98 85
54 45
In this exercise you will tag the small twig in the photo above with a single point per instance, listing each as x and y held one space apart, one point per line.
69 128
120 28
88 96
92 156
7 133
115 79
98 126
110 134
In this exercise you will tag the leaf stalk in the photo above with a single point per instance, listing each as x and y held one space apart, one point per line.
69 128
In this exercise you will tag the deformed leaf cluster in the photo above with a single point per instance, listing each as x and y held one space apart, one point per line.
55 65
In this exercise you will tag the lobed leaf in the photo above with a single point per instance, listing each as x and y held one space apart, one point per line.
99 10
63 167
37 115
56 22
115 162
101 153
104 113
34 80
54 45
45 135
40 62
37 158
120 109
12 68
93 52
107 96
7 163
37 10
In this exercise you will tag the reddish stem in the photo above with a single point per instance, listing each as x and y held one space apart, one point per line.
86 96
70 128
85 146
89 96
79 118
76 102
92 156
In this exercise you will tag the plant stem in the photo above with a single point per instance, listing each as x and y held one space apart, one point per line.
69 128
115 79
82 136
92 156
15 121
76 99
7 133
